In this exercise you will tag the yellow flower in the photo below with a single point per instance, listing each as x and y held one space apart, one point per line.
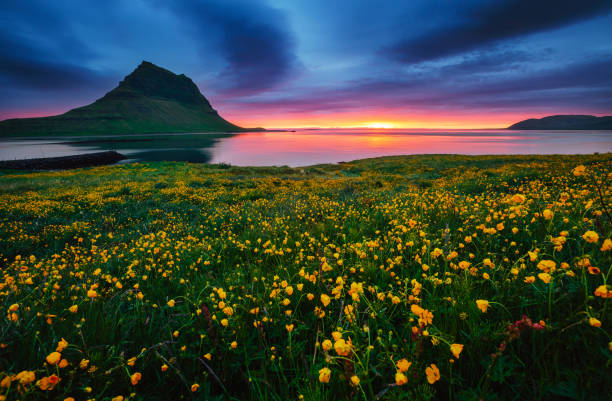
518 198
234 345
324 375
482 304
355 380
594 322
607 245
171 303
403 365
545 277
117 398
400 379
164 367
92 294
195 387
548 214
433 373
590 237
579 170
326 345
54 358
208 356
325 299
289 327
135 378
74 309
456 349
289 290
13 307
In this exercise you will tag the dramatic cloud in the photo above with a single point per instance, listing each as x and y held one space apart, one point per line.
493 22
304 59
253 38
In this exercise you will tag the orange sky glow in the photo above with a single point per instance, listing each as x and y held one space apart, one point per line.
379 121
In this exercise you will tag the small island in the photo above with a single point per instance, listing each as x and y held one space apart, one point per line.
565 122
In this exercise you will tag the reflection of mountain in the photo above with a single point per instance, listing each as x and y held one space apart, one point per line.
150 99
566 122
177 147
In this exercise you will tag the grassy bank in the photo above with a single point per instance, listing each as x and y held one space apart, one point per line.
399 278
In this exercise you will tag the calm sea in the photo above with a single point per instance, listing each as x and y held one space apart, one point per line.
308 147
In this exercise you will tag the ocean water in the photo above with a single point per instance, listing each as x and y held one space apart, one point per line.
308 147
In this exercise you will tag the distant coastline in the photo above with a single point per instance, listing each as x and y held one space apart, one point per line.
565 122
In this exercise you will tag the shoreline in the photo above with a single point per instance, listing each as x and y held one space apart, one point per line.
64 162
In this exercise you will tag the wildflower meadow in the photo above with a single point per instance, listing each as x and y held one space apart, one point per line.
398 278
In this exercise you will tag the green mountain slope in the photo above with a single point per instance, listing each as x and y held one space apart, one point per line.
149 100
566 122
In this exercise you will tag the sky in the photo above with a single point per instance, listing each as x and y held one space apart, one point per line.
319 63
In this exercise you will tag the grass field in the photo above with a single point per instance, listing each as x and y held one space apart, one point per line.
399 278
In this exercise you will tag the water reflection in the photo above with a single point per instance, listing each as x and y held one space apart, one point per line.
307 147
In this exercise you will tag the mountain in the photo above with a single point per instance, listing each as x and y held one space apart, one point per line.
566 122
149 100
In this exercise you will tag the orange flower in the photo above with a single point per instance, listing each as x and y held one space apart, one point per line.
545 277
400 379
54 358
547 266
594 322
403 365
579 170
135 378
456 349
590 237
433 373
607 245
482 304
342 347
324 375
61 345
603 291
594 270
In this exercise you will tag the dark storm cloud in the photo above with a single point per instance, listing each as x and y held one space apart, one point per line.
24 65
253 38
494 22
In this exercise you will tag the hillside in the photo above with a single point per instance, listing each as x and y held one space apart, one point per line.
566 122
149 100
